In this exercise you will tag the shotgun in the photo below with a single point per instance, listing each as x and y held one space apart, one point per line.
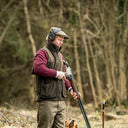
69 76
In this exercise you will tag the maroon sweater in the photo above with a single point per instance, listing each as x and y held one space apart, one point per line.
40 62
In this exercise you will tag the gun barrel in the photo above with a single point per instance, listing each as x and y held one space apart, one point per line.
75 89
84 113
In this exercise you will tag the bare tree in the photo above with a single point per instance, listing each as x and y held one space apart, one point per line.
32 79
79 82
87 56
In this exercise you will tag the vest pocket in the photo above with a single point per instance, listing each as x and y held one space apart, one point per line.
48 91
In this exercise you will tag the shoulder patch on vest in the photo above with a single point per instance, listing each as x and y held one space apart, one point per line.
49 54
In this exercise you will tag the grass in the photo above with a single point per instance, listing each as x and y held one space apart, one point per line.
26 118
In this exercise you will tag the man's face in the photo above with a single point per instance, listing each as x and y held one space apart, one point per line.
58 41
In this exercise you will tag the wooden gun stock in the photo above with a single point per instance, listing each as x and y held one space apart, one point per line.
74 88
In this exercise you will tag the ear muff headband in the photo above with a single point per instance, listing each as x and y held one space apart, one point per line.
52 35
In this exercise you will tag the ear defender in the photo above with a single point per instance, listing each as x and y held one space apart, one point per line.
52 35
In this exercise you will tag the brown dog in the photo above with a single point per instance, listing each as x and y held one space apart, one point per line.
71 123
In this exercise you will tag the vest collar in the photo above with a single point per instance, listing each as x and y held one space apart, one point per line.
51 46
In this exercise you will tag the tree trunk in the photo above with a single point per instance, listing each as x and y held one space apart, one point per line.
79 82
122 78
32 78
29 28
122 49
98 83
87 56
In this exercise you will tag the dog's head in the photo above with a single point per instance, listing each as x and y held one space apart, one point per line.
71 123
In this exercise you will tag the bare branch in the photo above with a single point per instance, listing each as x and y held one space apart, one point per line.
8 25
40 7
6 7
29 27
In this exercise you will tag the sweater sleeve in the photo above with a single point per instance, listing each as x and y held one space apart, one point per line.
39 65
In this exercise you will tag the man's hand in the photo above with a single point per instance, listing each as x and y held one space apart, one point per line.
60 75
74 95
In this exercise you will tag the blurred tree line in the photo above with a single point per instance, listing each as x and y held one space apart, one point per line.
96 51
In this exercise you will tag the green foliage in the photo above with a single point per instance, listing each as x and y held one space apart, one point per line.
22 53
74 15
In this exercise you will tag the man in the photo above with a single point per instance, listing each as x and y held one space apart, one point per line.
51 81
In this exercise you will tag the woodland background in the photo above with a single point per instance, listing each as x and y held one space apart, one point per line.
96 51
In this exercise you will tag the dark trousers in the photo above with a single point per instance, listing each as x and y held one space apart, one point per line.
51 114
